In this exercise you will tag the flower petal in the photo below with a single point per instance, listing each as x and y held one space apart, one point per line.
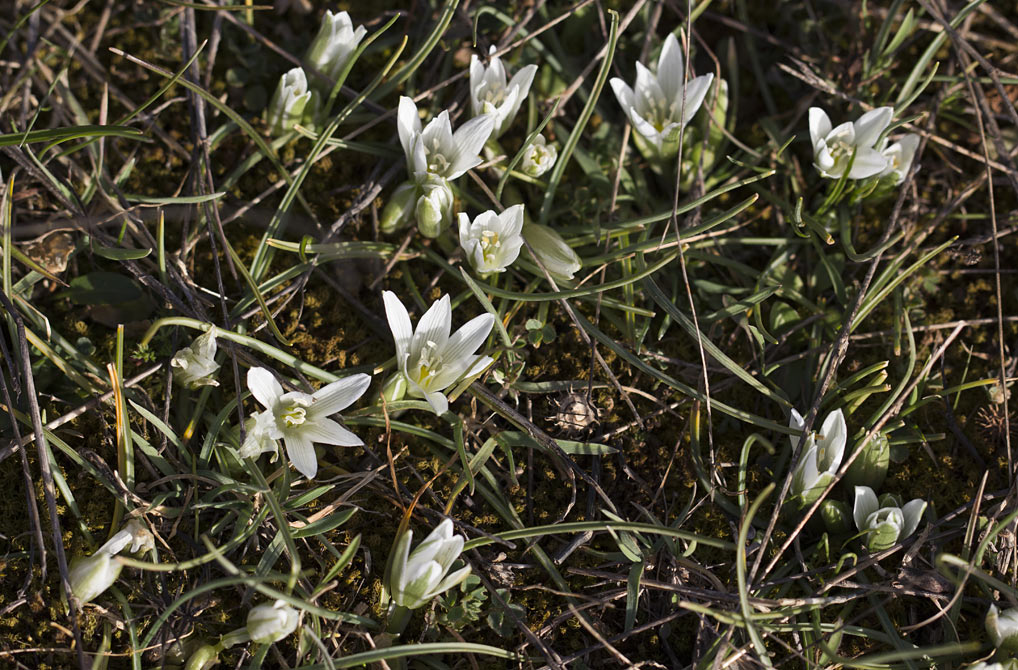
264 387
468 338
819 125
870 125
913 512
865 504
832 443
438 402
399 324
434 326
408 123
695 92
339 394
867 163
327 431
301 453
468 141
671 68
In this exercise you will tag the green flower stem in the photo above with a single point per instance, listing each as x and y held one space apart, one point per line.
399 617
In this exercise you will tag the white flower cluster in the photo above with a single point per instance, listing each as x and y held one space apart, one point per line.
858 148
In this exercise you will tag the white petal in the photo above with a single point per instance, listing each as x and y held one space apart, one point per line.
408 123
328 431
868 162
468 338
865 504
795 421
339 394
400 554
468 141
264 387
624 95
870 125
523 80
399 324
476 79
438 402
434 326
479 366
452 580
671 68
819 125
512 221
835 435
301 453
913 512
695 92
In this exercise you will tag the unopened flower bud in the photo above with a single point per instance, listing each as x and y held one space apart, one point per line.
269 623
400 208
395 387
434 208
334 44
1002 628
203 658
870 467
288 102
557 257
91 575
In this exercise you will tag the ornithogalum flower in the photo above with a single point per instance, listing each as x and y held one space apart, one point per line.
492 241
335 42
435 150
663 103
899 157
301 419
271 622
417 577
850 143
431 359
557 257
194 366
1002 627
539 157
821 456
490 94
91 575
289 102
884 522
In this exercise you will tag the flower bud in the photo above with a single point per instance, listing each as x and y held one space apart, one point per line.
870 467
269 623
288 102
837 517
538 158
434 208
400 208
1002 627
91 575
334 44
557 257
395 387
203 658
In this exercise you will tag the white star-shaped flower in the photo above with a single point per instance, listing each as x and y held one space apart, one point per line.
435 149
490 94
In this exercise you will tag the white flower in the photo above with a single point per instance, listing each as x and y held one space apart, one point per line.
194 366
415 578
268 623
834 148
489 93
899 157
492 241
888 525
335 42
1002 627
431 359
91 575
436 150
1009 664
288 102
301 419
539 157
434 207
821 457
557 257
662 105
